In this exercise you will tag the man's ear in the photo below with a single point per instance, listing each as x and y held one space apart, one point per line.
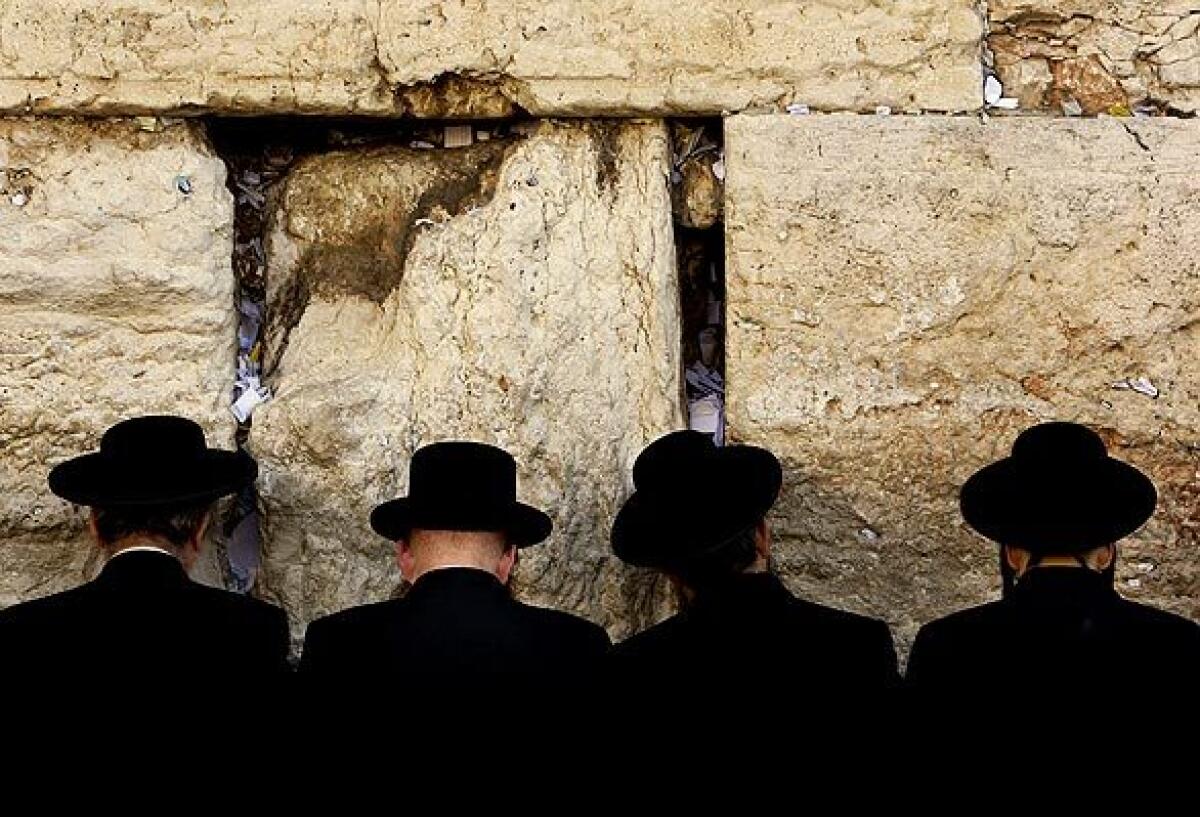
196 540
93 528
762 538
1103 557
508 561
405 559
1016 558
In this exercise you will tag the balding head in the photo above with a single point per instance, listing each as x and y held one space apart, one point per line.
426 550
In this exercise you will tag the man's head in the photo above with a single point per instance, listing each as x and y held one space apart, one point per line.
1062 497
425 550
747 552
1020 561
178 529
698 510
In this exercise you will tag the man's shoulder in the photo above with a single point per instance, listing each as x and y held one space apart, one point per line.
234 604
1161 621
970 623
981 615
361 616
812 613
654 638
44 609
561 623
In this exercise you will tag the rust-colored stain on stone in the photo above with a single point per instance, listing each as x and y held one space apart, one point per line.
1098 56
370 219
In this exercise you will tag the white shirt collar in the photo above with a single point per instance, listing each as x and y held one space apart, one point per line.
143 549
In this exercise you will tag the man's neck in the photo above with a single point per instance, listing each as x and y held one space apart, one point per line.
421 571
139 544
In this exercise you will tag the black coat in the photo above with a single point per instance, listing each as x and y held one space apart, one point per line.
755 635
141 656
457 628
1062 632
142 622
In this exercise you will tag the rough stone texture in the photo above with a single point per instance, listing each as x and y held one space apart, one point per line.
116 298
1102 53
906 294
133 56
521 293
481 58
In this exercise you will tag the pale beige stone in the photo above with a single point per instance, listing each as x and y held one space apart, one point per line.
1104 53
144 56
906 294
487 57
116 299
655 56
520 292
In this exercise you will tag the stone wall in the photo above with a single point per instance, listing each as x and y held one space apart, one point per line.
907 294
1098 55
520 292
116 298
906 289
486 58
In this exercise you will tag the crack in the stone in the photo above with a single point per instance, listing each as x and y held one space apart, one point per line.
1137 137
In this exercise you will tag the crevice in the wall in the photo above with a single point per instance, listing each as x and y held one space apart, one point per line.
259 153
698 200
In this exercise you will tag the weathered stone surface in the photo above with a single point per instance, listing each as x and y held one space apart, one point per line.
1101 53
116 298
134 56
521 293
905 295
483 58
658 57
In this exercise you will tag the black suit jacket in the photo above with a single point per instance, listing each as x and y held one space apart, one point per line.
142 621
754 634
456 629
1063 633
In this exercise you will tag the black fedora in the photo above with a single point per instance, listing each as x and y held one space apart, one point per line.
691 498
155 460
1059 493
462 486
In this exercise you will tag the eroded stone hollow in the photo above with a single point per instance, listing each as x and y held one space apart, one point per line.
521 291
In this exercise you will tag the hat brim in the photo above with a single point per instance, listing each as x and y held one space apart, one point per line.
522 524
94 480
1058 513
742 486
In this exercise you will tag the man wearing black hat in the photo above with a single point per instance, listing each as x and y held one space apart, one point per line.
1057 507
458 628
698 513
142 624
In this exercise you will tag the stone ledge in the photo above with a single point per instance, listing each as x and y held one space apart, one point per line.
570 59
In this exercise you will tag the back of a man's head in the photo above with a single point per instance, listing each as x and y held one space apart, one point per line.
731 559
427 550
173 525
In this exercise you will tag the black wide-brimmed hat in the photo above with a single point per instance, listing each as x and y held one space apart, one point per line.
691 498
1058 493
152 461
462 486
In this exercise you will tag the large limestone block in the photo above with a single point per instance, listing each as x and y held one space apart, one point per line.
521 293
484 58
148 56
1101 53
116 298
905 295
656 56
